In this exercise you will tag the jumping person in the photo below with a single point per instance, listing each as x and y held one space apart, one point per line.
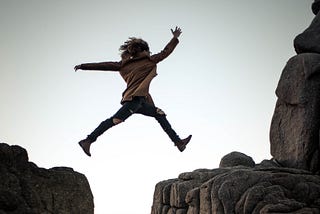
137 67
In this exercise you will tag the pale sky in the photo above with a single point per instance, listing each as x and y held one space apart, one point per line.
218 85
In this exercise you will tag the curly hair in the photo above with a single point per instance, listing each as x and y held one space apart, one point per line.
133 46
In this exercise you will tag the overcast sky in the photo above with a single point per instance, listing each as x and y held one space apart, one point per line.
218 85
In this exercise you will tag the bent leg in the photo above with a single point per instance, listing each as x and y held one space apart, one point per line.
160 116
164 123
180 143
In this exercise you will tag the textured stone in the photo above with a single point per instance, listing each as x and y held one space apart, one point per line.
244 190
294 131
25 188
236 159
309 41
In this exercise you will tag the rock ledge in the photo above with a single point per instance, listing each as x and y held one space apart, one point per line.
26 188
263 188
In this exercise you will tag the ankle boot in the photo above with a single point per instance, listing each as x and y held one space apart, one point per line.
85 145
181 144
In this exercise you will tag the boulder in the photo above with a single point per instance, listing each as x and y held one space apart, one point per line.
236 159
309 41
295 125
26 188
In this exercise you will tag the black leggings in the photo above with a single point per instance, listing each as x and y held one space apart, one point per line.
140 106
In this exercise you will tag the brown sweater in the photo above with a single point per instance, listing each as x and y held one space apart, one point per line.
137 72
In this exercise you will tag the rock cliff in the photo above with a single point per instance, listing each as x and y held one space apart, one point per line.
290 181
28 189
239 186
295 126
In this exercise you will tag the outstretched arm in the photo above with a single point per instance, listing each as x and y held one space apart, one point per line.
102 66
169 47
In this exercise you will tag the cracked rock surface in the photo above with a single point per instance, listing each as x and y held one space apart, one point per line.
263 188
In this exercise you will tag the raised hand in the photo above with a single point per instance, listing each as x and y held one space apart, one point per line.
77 67
176 33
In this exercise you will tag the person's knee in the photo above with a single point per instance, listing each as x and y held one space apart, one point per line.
116 121
160 112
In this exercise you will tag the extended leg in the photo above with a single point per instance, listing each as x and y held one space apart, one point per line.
104 126
160 116
122 114
181 144
165 125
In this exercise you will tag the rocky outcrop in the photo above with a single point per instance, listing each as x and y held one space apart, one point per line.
309 40
28 189
263 188
295 126
290 181
294 132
